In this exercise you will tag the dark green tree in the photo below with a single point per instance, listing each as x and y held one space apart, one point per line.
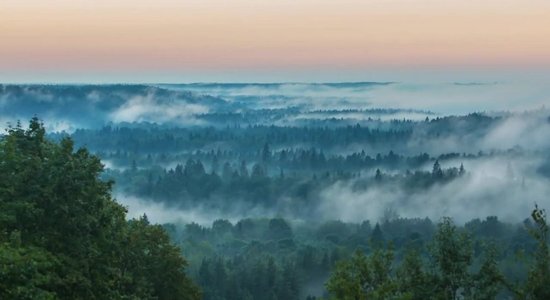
364 277
488 281
62 235
437 172
451 256
413 280
538 281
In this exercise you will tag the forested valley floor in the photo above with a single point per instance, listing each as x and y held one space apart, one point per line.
64 236
268 191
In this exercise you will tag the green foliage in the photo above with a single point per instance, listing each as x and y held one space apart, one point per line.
62 235
448 274
364 277
155 265
451 255
538 281
418 270
254 278
412 277
27 272
488 282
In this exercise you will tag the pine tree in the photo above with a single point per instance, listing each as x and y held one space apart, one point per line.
437 172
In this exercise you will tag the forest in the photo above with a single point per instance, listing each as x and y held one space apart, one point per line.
217 191
395 259
53 195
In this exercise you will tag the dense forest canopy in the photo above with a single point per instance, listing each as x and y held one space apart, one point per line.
269 191
397 258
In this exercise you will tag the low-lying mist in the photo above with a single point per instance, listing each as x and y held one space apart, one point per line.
507 187
70 107
504 150
159 212
499 187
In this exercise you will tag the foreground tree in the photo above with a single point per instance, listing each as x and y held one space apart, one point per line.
447 274
538 281
412 278
364 277
489 281
62 235
450 256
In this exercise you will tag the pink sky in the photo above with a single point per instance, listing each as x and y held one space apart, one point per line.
60 40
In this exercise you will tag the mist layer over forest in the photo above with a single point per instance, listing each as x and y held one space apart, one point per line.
304 151
277 168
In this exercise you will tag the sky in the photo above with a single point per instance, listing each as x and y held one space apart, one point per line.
257 40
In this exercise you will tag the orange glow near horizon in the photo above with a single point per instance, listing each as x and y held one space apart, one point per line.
86 35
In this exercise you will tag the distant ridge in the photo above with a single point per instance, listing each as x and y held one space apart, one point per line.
279 84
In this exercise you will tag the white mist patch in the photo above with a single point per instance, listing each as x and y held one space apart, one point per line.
445 98
529 131
449 98
50 124
111 165
44 97
489 188
159 212
148 109
363 116
59 126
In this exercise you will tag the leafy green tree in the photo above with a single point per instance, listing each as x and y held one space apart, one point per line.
364 277
489 281
154 263
26 272
62 235
538 281
412 278
347 280
451 256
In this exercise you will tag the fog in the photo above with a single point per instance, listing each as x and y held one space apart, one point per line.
66 108
443 98
506 184
158 212
69 107
513 130
282 181
527 130
148 109
486 190
504 187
